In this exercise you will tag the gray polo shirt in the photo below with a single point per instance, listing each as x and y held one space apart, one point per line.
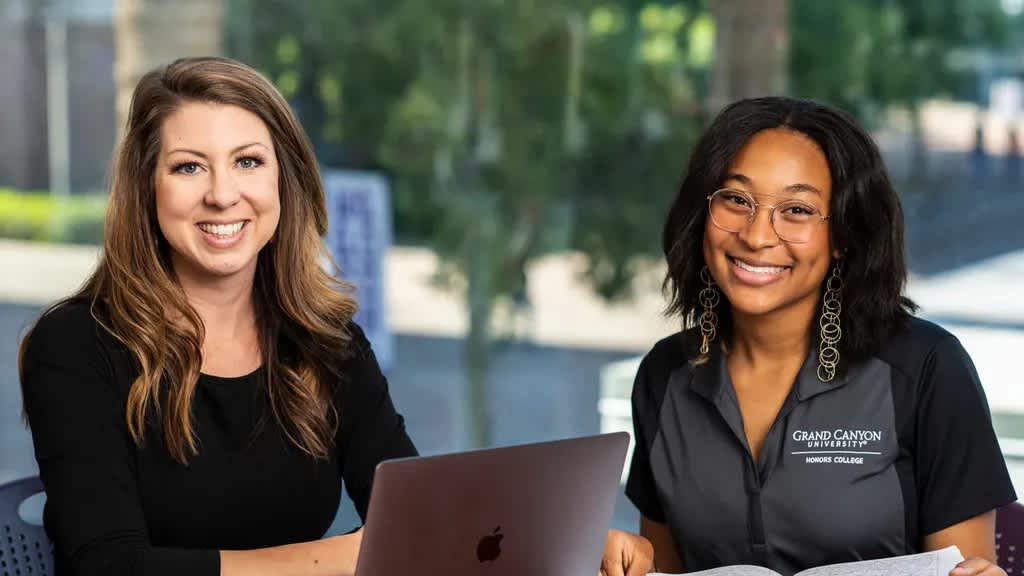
862 467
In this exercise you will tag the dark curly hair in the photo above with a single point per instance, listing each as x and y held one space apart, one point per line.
866 222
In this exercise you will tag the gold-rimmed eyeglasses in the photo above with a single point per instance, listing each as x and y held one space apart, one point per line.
793 220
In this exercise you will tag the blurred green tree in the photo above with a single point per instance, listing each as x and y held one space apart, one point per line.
514 128
871 55
510 129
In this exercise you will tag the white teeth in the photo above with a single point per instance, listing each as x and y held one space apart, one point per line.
759 269
222 229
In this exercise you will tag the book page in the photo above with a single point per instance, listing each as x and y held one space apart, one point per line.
738 570
937 563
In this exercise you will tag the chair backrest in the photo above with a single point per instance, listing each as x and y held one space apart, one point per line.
1010 538
24 548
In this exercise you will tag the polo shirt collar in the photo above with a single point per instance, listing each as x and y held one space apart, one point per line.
705 378
807 383
709 378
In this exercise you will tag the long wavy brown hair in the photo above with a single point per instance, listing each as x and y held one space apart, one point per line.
303 312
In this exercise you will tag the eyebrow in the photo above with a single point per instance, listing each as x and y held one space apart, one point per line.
796 188
234 150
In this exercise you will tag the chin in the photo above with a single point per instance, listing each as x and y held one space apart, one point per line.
754 302
754 309
755 312
223 269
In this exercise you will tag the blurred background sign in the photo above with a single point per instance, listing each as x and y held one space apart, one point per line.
358 237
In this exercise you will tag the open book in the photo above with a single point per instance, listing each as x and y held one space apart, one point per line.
937 563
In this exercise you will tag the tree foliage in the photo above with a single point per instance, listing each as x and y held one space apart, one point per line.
514 128
510 128
868 55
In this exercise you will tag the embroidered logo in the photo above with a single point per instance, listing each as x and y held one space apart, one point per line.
837 446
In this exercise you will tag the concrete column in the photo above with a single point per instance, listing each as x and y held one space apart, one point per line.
751 50
151 33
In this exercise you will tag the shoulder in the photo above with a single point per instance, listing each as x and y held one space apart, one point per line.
71 364
72 338
917 336
914 349
356 358
69 325
358 344
358 368
668 355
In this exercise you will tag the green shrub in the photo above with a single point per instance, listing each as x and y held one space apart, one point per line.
38 216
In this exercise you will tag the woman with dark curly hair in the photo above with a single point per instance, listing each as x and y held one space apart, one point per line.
804 416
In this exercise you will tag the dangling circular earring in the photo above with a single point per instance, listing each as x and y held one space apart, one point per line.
708 321
831 331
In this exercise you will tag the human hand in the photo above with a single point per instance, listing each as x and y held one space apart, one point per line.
628 554
977 566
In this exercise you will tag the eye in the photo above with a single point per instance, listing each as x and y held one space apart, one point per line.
187 168
249 162
798 210
737 198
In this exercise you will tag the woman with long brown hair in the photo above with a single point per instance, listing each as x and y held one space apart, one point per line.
197 404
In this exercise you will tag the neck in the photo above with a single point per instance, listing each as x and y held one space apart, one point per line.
225 305
781 336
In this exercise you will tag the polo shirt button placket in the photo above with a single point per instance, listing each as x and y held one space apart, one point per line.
758 546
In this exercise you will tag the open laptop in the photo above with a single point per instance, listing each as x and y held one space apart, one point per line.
537 509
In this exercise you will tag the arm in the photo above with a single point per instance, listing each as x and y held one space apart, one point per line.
335 555
85 455
628 554
960 470
666 557
974 537
86 463
371 430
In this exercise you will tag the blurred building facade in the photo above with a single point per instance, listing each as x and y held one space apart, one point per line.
107 46
24 146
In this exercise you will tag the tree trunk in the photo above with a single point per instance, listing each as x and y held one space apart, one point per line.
468 122
478 340
751 50
918 149
151 33
572 135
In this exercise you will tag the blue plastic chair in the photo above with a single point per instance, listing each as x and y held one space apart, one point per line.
24 548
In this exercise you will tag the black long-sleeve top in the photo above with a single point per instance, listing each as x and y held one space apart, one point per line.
114 507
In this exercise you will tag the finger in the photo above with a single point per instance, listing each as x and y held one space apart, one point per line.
974 563
971 567
611 565
988 570
613 569
639 566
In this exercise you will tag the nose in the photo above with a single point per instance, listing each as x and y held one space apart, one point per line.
223 191
760 232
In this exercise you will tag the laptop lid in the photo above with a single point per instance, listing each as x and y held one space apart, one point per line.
539 509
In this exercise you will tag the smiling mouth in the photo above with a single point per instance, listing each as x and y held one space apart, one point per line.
222 230
766 270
